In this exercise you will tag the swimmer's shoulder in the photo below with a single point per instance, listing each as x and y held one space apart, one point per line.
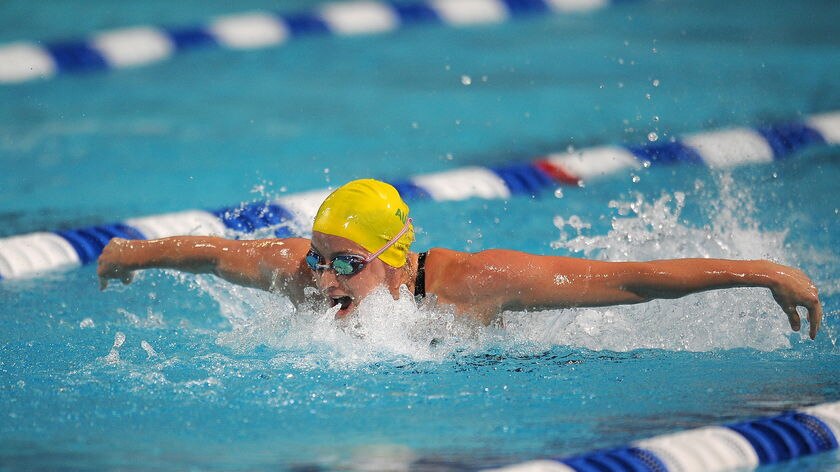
449 269
456 278
477 284
437 266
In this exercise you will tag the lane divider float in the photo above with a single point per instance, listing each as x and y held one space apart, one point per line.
27 60
34 254
738 446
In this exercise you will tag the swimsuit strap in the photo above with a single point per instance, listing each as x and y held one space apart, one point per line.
420 282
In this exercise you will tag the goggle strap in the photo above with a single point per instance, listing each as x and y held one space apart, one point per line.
390 243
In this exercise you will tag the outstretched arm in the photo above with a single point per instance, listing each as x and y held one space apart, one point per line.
261 263
515 280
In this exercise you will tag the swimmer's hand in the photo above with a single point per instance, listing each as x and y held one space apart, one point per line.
112 263
792 288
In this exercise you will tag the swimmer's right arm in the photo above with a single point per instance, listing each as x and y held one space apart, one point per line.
261 263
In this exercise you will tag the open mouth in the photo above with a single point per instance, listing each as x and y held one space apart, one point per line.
344 301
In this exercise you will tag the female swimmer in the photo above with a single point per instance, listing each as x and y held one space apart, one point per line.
361 238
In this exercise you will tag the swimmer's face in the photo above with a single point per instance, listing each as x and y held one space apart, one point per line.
348 291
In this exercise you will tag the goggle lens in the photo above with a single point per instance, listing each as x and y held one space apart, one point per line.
341 266
344 264
313 261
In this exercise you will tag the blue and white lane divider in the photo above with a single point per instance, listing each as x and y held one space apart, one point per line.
27 60
739 446
38 253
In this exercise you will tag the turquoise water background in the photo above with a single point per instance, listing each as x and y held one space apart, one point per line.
211 377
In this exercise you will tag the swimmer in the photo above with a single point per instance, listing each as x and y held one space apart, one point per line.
361 238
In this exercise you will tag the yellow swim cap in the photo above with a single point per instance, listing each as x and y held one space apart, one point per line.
370 213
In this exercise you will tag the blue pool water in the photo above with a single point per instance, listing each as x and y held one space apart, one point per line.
215 377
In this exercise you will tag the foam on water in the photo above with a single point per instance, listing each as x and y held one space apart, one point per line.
381 329
645 231
390 330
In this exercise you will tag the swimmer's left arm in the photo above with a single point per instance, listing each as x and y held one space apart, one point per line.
514 280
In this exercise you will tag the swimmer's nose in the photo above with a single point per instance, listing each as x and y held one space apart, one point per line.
326 279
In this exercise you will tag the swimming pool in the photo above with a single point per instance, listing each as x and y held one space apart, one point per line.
212 377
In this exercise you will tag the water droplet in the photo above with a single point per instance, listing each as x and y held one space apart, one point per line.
150 351
119 339
558 193
621 60
652 136
636 179
484 78
655 82
647 96
655 118
466 80
415 124
326 170
86 323
621 85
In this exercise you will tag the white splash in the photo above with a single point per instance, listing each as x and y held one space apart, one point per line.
310 337
150 351
712 320
113 356
152 319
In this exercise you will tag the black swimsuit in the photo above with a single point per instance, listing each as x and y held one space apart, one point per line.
420 281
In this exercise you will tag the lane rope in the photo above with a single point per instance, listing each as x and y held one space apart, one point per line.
135 46
34 254
739 446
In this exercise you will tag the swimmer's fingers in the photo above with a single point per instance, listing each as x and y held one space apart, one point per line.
810 299
815 314
108 271
796 289
814 318
110 265
793 316
125 277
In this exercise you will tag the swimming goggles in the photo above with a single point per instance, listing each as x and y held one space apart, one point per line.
350 264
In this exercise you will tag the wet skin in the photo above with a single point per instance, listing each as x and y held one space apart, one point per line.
480 285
